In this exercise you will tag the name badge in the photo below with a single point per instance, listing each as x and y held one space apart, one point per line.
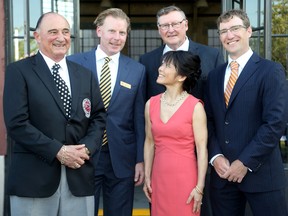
126 85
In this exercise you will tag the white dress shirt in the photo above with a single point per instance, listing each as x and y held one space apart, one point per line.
63 70
183 47
113 65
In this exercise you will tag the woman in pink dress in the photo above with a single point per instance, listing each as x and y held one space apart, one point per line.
176 132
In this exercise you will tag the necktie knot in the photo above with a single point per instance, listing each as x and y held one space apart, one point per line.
234 66
107 60
55 68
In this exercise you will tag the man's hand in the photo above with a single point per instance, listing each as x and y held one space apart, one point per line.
236 172
73 156
139 174
221 165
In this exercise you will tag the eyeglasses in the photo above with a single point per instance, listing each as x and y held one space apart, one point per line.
233 29
175 25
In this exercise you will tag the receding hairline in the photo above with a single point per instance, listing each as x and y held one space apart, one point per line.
45 16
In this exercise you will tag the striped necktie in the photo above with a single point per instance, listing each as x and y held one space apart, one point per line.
232 80
105 83
105 89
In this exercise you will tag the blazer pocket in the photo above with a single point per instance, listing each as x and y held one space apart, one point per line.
129 139
128 87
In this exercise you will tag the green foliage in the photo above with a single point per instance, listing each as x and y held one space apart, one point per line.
280 27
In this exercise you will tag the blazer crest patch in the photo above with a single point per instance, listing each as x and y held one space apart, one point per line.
86 105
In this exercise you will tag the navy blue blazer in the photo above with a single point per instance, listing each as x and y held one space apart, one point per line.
210 59
125 114
250 128
35 119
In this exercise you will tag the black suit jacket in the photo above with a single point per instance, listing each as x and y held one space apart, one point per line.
36 121
210 59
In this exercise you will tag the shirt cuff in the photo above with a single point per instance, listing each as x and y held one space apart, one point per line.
213 158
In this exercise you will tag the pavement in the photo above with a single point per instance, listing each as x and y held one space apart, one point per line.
141 204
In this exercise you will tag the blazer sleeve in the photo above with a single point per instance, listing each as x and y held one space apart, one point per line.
274 117
16 102
139 115
213 144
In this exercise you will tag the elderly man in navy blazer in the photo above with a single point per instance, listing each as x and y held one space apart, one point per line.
120 165
172 26
51 171
246 107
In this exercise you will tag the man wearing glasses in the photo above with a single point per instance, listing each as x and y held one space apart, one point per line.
172 26
246 108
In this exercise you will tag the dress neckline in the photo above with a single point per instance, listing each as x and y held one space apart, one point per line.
176 111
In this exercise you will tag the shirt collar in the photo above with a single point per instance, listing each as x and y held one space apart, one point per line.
51 62
184 47
243 59
100 54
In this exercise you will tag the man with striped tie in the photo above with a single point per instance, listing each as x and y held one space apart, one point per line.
122 84
246 105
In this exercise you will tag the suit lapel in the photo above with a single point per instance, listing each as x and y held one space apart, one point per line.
75 86
123 72
43 72
249 69
220 83
90 62
193 48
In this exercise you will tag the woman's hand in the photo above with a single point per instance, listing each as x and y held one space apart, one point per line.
197 197
147 189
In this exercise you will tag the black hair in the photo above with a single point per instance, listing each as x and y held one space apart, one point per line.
186 64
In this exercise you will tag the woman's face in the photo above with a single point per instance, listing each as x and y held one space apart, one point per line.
168 74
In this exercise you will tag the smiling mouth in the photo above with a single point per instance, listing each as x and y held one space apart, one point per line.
232 42
59 45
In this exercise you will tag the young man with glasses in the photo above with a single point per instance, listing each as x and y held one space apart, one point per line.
246 108
172 26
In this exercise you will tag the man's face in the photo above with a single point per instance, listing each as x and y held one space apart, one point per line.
53 36
235 37
174 32
112 34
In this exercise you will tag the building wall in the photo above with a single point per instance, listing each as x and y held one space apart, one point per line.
143 15
2 72
2 128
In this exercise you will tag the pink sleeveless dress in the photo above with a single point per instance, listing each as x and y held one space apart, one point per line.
174 171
